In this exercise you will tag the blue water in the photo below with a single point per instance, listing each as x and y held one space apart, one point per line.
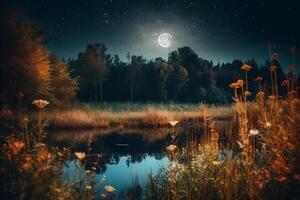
120 175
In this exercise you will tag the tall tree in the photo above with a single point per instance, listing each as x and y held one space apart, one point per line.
63 86
93 68
24 61
135 66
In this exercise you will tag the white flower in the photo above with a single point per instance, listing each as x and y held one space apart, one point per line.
109 188
171 147
40 103
173 123
88 187
253 132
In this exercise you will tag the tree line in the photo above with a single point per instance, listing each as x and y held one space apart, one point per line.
28 71
183 77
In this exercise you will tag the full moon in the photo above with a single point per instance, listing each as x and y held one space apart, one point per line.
165 40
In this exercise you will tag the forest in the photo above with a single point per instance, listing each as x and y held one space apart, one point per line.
96 76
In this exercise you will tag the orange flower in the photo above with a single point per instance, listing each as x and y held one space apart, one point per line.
247 93
40 103
80 155
233 86
16 146
240 82
246 67
272 97
259 78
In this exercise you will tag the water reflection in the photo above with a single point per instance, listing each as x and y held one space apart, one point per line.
125 154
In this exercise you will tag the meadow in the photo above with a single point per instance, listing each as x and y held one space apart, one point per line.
129 115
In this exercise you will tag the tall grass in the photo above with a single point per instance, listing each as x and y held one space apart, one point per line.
134 116
260 159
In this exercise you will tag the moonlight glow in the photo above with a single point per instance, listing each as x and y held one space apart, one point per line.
165 40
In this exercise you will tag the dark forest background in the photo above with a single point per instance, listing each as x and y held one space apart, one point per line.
28 70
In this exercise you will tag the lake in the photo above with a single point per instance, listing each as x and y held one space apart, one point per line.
127 156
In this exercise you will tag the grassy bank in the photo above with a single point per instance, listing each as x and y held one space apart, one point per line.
124 115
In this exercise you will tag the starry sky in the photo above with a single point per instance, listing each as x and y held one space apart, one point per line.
217 30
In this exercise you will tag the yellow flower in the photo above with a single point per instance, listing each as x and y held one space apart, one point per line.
258 79
109 188
246 67
40 103
247 93
173 123
80 155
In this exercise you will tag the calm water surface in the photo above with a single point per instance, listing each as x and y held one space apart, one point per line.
126 156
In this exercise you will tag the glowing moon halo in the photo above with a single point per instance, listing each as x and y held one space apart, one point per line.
165 40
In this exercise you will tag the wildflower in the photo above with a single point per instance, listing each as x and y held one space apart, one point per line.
103 195
246 67
88 171
297 177
285 83
240 82
282 179
272 97
173 123
16 146
273 68
258 79
109 188
80 155
171 147
247 93
40 103
88 187
253 132
233 86
268 124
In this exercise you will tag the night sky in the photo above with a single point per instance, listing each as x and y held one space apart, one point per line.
217 30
